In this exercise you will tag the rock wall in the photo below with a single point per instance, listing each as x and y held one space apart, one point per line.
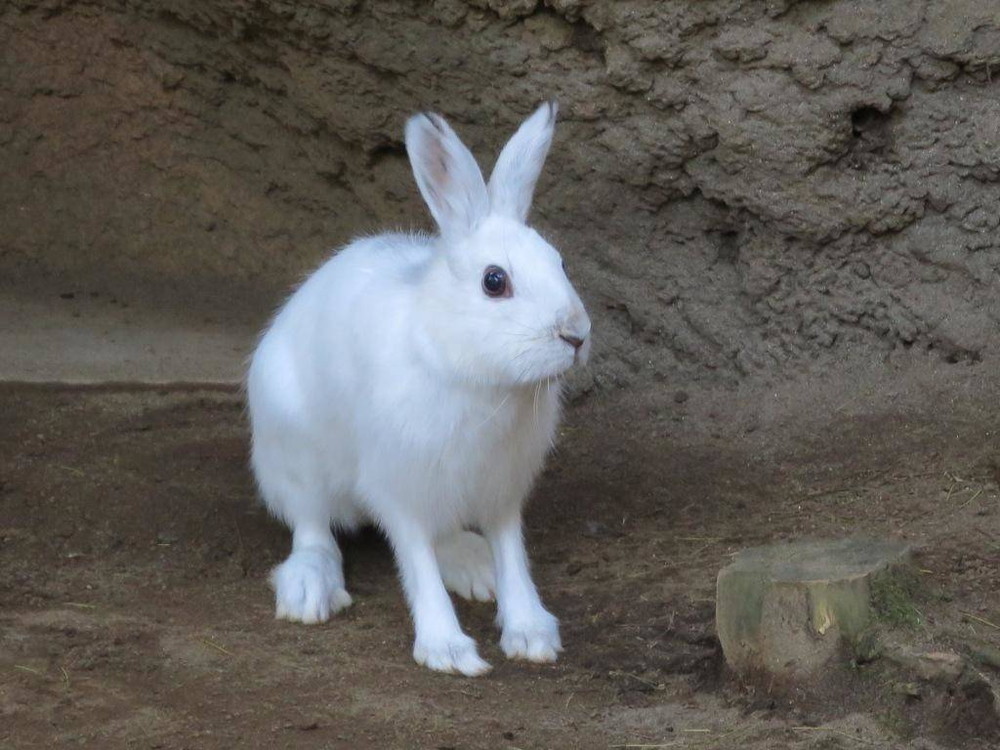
739 187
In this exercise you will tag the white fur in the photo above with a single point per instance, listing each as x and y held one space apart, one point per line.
466 563
391 388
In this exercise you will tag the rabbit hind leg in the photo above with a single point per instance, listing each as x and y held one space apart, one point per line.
309 585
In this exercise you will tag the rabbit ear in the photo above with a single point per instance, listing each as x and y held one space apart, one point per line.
519 164
447 174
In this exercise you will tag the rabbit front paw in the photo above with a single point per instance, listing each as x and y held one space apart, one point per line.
454 654
536 640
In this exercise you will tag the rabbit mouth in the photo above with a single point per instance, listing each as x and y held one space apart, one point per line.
566 359
581 348
549 354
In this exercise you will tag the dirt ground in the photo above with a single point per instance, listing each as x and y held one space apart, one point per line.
135 613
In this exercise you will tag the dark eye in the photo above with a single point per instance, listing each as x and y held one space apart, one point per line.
495 282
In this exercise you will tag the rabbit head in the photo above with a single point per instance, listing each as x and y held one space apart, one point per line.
501 309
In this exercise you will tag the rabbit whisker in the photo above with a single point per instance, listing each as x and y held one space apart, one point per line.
524 351
538 389
495 411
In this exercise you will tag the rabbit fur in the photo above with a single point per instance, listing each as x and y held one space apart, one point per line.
392 388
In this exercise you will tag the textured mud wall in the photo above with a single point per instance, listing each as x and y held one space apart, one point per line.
738 187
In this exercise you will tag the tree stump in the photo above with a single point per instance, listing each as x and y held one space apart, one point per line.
787 609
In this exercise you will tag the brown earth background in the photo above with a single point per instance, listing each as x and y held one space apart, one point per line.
739 187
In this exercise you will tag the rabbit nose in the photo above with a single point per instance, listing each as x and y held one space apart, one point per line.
575 341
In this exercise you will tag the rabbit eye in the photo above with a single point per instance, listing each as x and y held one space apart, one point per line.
495 282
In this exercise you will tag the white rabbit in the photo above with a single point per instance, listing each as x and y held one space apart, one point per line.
414 382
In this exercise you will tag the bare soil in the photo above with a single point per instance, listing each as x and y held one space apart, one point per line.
135 613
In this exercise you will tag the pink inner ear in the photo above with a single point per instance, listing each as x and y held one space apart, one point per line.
438 162
438 175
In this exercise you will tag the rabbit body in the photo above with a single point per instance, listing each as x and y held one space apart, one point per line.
395 387
338 399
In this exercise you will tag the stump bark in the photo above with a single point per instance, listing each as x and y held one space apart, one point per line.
788 609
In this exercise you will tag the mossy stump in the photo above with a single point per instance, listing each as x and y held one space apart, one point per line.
788 609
